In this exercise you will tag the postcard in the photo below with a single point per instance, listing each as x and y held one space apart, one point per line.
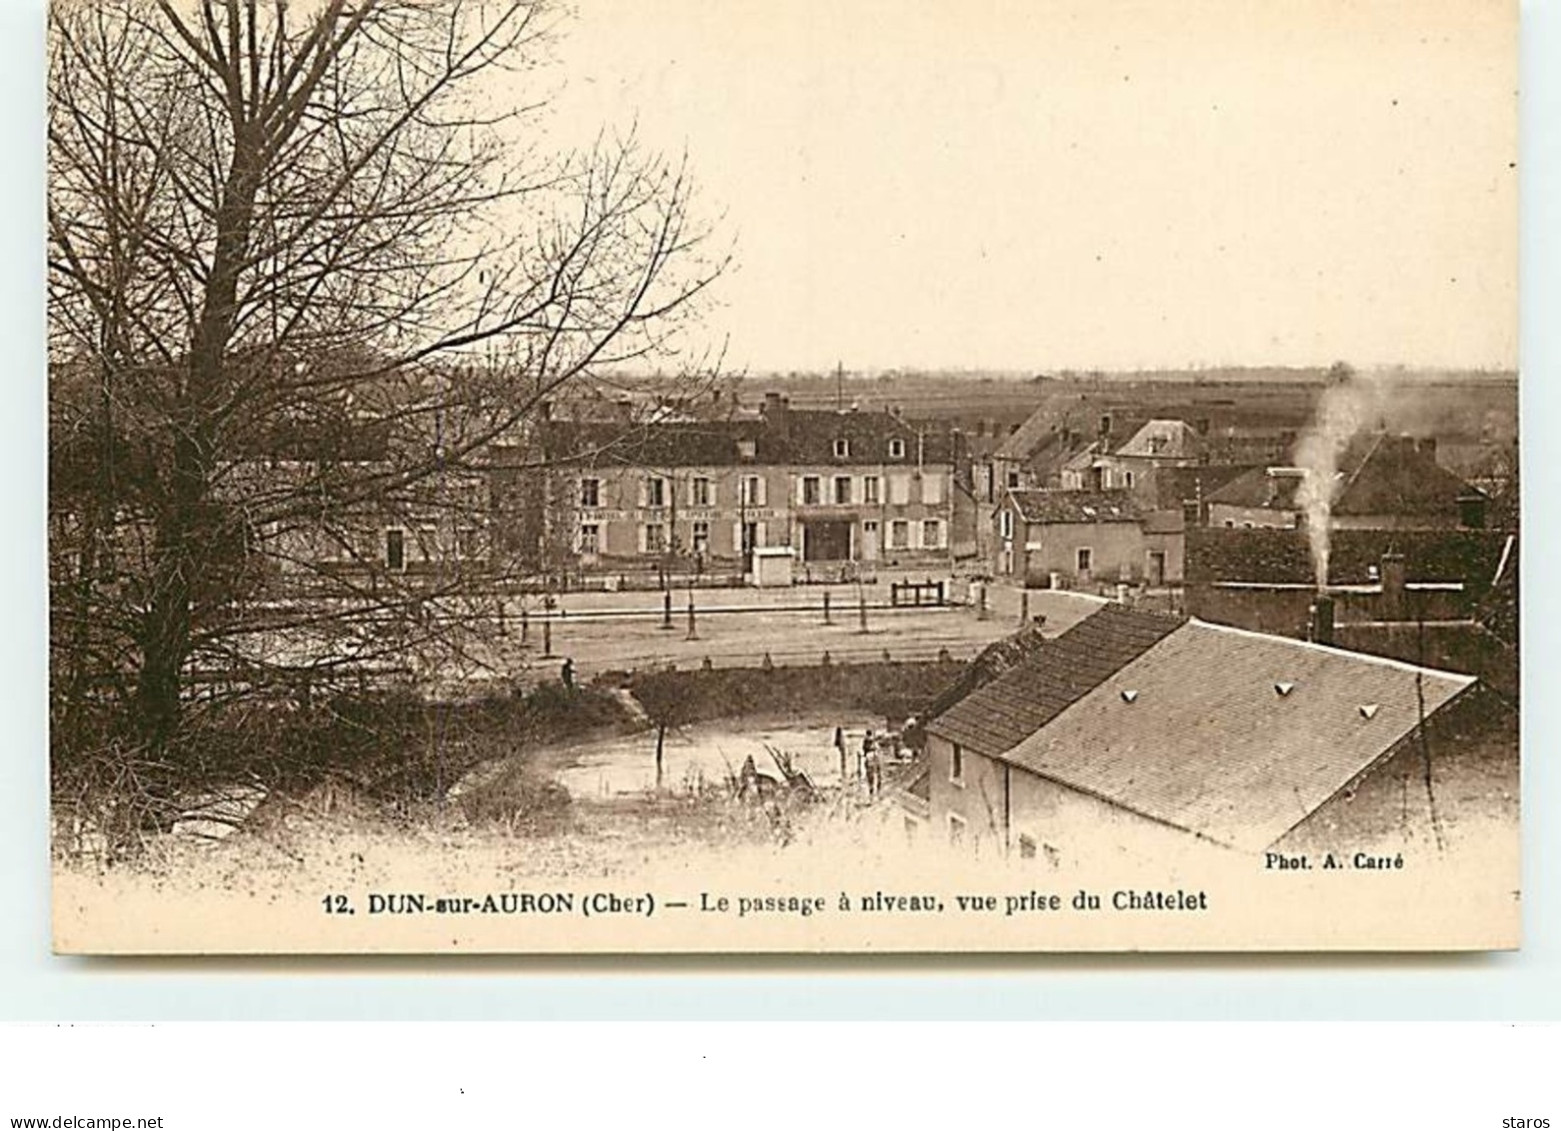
810 478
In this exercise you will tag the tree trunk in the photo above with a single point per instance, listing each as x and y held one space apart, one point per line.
183 523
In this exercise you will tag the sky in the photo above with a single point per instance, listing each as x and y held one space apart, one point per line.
1103 184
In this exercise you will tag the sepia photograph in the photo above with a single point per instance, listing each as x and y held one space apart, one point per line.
815 478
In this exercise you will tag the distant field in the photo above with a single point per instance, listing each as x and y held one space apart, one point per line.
1453 405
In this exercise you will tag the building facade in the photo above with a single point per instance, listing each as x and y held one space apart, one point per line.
840 489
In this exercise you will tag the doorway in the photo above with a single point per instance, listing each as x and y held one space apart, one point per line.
870 540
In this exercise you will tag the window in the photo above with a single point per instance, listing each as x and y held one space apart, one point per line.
931 534
1013 480
899 534
1005 523
753 491
957 764
655 491
1086 559
870 488
699 491
655 538
842 449
590 493
590 538
899 490
395 549
842 490
746 449
1129 477
1026 847
896 449
932 488
810 490
956 829
701 538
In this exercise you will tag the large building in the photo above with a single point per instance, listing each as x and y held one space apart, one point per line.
840 489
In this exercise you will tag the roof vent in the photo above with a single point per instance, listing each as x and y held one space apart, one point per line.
1369 710
1284 689
1129 695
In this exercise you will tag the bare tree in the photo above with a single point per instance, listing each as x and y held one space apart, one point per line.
306 272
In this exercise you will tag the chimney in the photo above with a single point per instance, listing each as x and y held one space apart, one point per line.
1320 629
1105 424
1392 586
777 414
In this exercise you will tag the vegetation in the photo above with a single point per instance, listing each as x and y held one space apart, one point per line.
306 272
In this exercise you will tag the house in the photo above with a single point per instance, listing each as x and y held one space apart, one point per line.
1137 733
840 488
1081 539
1262 497
1384 482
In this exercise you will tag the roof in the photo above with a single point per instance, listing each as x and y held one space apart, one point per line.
1022 442
1397 475
786 437
1262 488
1379 474
1173 486
1164 439
1075 506
1008 710
1207 743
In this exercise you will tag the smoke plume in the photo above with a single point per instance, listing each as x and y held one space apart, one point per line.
1349 403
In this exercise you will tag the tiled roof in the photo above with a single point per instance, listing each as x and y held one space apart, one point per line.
1169 439
1395 475
1206 742
1380 474
1038 428
1260 488
1173 486
1022 700
1075 506
801 437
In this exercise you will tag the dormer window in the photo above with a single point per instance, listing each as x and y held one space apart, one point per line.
896 449
842 449
746 449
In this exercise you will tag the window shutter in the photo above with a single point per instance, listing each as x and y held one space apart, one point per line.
644 541
764 491
644 501
737 539
761 534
